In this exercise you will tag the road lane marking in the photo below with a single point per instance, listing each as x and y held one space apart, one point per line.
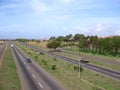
40 84
34 76
28 68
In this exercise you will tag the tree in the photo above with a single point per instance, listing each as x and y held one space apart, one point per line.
82 42
78 36
68 37
53 44
94 42
116 44
52 38
60 38
22 40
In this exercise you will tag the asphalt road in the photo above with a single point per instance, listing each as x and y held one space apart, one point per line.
32 76
104 71
112 61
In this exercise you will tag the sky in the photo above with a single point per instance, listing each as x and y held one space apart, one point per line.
41 19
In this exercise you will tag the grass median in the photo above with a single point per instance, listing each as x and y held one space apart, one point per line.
8 74
68 76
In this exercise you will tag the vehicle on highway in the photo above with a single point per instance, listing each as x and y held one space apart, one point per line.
84 61
29 60
12 45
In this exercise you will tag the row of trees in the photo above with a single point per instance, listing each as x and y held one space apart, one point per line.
94 44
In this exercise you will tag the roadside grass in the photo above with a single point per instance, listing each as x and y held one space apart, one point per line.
42 44
8 74
1 46
66 74
95 62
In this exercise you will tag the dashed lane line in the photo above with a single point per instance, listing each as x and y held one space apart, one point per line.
28 68
40 84
34 76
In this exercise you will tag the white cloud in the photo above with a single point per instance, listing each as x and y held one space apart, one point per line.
96 29
67 1
61 17
10 6
39 6
64 28
99 27
117 32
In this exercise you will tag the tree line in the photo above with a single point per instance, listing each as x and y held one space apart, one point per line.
94 44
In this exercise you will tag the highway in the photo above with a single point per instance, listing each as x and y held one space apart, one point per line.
112 61
98 69
32 76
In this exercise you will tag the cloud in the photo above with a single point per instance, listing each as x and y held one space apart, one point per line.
117 32
10 6
62 17
67 1
39 6
95 29
98 28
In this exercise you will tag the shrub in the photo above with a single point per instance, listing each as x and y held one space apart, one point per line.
36 57
44 62
76 68
41 53
55 59
54 67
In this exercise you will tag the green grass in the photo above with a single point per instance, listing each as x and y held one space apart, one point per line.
8 74
76 50
66 74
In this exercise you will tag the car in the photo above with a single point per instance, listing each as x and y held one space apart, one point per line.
12 45
29 60
84 61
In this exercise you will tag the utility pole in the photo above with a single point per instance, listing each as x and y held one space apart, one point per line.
79 67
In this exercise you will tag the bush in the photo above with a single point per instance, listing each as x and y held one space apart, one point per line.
54 67
76 68
55 59
29 53
44 62
41 53
36 57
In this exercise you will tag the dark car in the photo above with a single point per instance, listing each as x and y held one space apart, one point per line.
29 60
84 61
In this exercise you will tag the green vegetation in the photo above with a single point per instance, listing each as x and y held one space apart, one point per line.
68 76
93 44
108 46
8 74
53 44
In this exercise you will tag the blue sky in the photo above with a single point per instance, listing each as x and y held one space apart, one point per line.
45 18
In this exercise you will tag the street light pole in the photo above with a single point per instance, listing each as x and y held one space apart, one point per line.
79 67
79 63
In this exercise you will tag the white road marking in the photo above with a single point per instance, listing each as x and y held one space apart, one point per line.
34 76
40 84
28 68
